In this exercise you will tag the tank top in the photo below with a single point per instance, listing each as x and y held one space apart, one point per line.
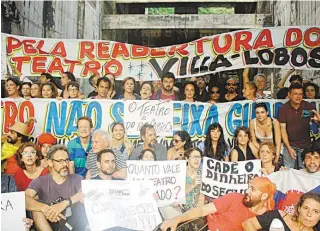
249 153
261 138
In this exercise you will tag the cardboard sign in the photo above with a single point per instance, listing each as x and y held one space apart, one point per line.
157 113
168 177
13 210
124 204
220 178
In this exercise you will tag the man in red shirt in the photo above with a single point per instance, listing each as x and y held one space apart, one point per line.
166 92
227 213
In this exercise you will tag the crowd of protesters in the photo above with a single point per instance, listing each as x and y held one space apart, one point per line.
51 174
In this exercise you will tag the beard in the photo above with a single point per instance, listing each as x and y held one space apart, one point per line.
11 141
231 90
107 172
63 172
248 202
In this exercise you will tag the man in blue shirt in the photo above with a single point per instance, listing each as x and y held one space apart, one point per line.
80 146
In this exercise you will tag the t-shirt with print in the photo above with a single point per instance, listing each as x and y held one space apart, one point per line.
49 191
231 212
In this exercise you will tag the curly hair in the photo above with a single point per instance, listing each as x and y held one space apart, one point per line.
20 151
271 147
144 152
196 90
184 137
222 146
315 86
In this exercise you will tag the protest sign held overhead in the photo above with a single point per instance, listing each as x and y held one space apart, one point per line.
157 113
168 178
124 204
290 47
13 210
220 178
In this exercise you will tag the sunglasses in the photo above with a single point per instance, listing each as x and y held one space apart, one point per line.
231 84
215 92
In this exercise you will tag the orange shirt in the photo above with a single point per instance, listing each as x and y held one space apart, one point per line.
12 165
230 213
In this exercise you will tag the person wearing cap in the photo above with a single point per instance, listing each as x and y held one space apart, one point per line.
80 146
45 141
12 87
260 80
229 211
18 134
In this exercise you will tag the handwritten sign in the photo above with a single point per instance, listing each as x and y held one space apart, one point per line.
220 178
124 204
168 178
157 113
13 210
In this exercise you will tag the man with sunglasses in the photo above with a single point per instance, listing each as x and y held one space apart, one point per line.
231 95
49 197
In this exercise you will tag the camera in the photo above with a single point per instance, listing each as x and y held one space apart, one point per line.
307 114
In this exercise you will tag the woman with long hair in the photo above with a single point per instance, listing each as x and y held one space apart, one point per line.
119 141
265 129
181 142
214 145
267 155
306 216
243 148
128 86
189 92
28 159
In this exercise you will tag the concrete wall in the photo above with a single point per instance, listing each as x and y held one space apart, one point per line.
52 19
297 13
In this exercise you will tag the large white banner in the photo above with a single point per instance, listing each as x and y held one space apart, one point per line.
13 210
289 47
59 117
220 178
159 113
168 177
124 204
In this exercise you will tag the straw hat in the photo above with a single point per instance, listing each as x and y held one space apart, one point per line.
22 128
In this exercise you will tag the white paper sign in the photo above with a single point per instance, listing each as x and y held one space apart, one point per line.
157 113
168 177
220 178
124 204
13 210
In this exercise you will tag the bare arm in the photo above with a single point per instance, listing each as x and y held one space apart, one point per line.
32 204
252 224
170 154
200 200
284 79
189 215
284 135
254 150
88 175
234 155
277 135
245 75
71 167
253 137
121 173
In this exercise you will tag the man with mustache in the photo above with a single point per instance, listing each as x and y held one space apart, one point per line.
167 91
149 137
227 212
48 197
231 95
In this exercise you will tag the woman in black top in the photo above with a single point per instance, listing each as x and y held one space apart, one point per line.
243 148
306 216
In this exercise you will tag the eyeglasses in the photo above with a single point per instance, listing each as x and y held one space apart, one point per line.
176 141
231 84
62 161
29 153
215 92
